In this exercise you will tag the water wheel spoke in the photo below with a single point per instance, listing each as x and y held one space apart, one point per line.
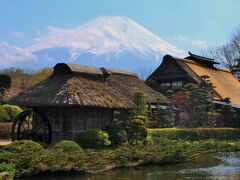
31 125
23 127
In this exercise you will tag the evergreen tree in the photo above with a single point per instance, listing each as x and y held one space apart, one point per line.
201 112
135 126
229 116
140 104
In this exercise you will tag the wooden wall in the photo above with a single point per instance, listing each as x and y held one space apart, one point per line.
169 72
70 122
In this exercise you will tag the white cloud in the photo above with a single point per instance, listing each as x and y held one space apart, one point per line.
10 54
17 35
194 42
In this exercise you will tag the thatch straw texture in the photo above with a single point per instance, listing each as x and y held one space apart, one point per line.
83 86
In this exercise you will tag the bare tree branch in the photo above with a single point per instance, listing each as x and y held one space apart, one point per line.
227 54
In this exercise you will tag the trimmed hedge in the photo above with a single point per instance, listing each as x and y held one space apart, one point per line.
196 133
5 130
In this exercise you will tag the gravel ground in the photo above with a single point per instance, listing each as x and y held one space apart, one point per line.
5 142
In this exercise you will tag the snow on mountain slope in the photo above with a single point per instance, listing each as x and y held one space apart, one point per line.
112 41
106 34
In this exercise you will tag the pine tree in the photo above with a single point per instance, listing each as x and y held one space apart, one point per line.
140 104
200 109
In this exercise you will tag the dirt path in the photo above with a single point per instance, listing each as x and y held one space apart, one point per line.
5 142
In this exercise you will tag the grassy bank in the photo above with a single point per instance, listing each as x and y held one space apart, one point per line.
25 158
30 158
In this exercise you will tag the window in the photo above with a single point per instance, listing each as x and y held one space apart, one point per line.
177 85
171 85
165 85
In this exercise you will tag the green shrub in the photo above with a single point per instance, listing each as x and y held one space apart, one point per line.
139 100
4 117
25 146
5 129
12 111
136 129
95 138
5 157
4 167
25 155
142 118
66 146
117 134
196 133
62 154
139 131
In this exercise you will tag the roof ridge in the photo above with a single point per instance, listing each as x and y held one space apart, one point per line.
117 71
62 68
215 68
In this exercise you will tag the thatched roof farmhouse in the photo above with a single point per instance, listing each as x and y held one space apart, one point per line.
174 73
76 97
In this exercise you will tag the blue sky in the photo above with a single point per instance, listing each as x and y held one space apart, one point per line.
188 24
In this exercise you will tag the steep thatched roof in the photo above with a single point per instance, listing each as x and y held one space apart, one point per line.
86 86
226 85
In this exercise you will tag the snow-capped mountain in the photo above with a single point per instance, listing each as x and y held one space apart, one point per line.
117 42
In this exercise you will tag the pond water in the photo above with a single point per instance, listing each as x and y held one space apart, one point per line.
220 166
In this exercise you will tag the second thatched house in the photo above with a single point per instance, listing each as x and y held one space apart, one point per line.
174 73
75 98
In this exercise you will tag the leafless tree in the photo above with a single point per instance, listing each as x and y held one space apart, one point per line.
229 53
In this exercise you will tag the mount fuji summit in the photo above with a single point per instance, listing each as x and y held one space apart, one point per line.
116 42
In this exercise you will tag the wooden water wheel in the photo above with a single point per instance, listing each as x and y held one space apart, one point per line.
31 125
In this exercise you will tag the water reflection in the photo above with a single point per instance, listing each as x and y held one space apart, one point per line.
220 166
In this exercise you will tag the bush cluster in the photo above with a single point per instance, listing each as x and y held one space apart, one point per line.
20 154
117 135
196 133
95 138
66 146
23 146
136 129
9 112
30 158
